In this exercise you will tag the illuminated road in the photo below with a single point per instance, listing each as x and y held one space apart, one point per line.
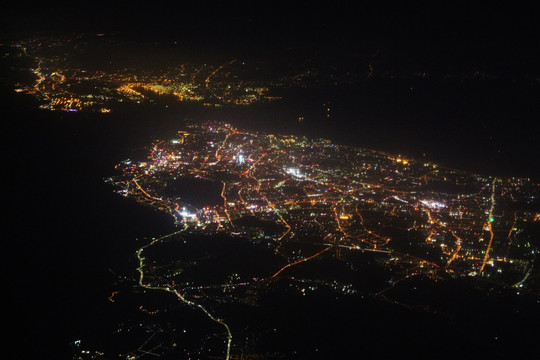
145 193
301 261
489 227
225 204
207 81
458 247
172 290
385 239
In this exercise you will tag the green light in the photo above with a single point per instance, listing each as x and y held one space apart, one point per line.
491 219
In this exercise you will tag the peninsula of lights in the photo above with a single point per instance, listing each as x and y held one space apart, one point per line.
303 208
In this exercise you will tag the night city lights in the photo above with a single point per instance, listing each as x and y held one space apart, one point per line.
270 180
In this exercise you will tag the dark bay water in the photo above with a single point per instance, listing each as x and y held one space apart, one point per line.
195 192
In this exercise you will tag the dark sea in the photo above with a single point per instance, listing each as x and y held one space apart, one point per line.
67 234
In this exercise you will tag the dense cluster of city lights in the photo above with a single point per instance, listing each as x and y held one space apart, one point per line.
327 200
